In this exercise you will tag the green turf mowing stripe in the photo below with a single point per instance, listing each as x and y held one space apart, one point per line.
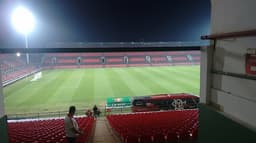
23 99
136 85
39 100
21 84
189 72
85 91
67 88
127 81
181 82
59 89
102 88
164 82
170 77
188 77
152 82
119 86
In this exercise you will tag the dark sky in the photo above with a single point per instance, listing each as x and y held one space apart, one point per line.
108 21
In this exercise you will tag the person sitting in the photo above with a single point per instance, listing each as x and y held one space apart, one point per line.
88 113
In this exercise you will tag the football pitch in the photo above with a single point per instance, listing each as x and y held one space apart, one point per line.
60 88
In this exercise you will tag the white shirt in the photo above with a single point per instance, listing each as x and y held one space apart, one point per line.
69 123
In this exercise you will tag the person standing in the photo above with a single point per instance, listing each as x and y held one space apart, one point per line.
96 111
71 127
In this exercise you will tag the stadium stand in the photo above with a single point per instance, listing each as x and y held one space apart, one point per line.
46 131
120 59
14 68
146 127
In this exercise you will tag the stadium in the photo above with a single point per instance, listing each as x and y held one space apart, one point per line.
146 92
114 77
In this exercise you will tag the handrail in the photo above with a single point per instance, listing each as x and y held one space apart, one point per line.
246 33
39 115
237 75
61 114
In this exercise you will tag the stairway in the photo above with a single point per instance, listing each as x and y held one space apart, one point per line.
102 133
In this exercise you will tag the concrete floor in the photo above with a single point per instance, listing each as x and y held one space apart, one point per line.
102 133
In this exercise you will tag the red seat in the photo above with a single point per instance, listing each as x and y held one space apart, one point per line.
156 126
45 131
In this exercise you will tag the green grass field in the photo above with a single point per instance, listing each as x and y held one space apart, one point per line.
58 89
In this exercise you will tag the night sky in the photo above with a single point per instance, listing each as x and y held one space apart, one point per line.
107 21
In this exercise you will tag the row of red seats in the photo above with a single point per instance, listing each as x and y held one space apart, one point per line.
46 131
123 54
18 73
132 60
10 61
177 56
154 127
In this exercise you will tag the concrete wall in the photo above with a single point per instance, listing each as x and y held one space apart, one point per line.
230 15
236 96
1 98
205 74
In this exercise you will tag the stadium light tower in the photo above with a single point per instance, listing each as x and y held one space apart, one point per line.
23 21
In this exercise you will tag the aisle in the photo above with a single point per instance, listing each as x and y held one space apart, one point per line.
102 133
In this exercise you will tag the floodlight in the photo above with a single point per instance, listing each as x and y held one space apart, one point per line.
23 20
18 54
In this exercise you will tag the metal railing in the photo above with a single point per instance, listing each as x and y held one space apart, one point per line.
40 115
61 114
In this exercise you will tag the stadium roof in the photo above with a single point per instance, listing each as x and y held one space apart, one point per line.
110 47
123 44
